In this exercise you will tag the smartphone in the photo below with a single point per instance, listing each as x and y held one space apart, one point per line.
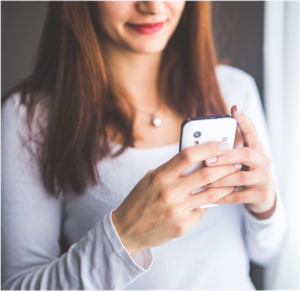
199 130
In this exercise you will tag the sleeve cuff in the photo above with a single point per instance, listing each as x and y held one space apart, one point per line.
140 261
250 217
265 237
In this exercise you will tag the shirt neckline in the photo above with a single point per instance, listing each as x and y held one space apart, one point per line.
144 150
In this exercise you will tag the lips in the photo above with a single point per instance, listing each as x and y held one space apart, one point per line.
146 28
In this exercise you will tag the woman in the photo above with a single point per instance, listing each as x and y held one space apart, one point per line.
97 170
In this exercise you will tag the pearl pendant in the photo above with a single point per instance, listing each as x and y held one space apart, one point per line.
156 121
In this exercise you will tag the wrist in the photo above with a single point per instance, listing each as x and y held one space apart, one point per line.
127 242
264 211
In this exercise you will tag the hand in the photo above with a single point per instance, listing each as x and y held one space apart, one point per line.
259 190
161 208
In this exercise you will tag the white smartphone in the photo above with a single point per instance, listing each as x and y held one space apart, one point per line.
195 131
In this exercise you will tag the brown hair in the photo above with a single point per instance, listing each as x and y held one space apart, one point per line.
82 100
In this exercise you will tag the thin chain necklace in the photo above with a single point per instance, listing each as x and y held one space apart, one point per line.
154 119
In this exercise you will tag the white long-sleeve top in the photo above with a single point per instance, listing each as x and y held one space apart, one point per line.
214 254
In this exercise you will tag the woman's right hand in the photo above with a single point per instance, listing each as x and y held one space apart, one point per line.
160 207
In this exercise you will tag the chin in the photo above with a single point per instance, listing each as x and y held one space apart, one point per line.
148 47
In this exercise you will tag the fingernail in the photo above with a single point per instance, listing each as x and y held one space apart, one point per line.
238 109
206 185
223 146
211 160
238 166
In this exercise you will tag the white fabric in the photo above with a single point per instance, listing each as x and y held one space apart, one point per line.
214 254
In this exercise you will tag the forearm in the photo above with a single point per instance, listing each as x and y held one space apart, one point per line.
98 261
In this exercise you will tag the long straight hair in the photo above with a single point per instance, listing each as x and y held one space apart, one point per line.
72 80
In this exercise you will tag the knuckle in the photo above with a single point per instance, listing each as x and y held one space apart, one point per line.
243 178
211 196
225 159
248 154
238 198
166 196
186 156
157 177
221 200
150 174
173 212
202 212
206 175
255 144
250 126
179 230
212 146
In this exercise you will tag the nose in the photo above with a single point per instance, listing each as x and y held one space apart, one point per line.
150 7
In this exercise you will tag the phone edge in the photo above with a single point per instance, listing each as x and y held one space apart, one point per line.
199 118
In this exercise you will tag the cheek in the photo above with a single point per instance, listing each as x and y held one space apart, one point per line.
116 9
113 13
175 7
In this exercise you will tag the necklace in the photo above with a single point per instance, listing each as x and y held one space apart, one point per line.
155 120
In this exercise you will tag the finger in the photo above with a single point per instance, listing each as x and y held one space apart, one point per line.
203 177
208 196
240 178
196 215
247 128
243 155
243 196
189 156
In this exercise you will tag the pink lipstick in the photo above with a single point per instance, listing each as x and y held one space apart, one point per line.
146 28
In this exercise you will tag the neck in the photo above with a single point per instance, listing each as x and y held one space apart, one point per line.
138 74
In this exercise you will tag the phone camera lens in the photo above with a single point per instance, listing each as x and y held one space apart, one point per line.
197 134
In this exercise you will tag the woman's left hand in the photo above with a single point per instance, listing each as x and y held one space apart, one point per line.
259 192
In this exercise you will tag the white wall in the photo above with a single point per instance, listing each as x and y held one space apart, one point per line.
282 100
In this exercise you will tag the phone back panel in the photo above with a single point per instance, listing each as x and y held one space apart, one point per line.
218 128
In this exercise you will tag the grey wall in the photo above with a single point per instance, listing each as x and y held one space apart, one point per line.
238 30
238 27
21 28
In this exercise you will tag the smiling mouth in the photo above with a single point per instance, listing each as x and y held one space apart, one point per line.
146 28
